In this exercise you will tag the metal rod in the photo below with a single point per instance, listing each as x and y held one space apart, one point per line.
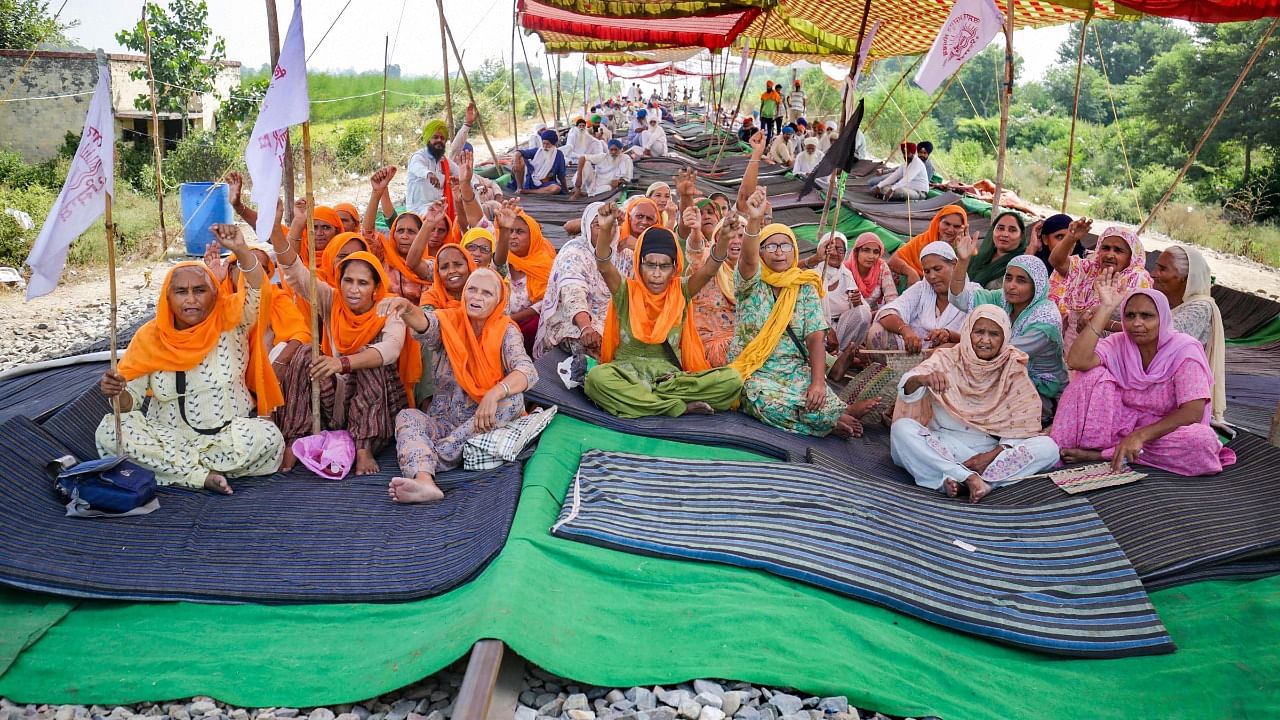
382 124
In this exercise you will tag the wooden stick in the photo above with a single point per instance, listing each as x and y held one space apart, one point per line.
532 85
1006 95
311 267
382 124
157 135
885 103
844 105
1217 117
515 115
476 693
1075 109
444 53
448 31
111 279
273 38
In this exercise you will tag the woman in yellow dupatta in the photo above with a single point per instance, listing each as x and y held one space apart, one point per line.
779 343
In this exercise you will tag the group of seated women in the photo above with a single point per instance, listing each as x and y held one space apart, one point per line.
1030 352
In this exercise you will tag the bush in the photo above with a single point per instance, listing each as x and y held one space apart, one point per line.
133 166
15 243
1154 182
16 173
202 157
1116 205
354 144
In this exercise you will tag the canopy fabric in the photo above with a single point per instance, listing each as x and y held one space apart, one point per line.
660 70
791 30
1207 11
653 8
644 57
712 31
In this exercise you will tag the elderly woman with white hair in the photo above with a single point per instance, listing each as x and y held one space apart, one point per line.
1182 276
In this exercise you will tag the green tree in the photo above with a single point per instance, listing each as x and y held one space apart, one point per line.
185 54
1060 83
980 77
1129 47
26 24
1186 85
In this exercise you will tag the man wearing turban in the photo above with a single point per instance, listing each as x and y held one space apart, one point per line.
429 168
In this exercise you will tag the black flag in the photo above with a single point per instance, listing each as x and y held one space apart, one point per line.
839 156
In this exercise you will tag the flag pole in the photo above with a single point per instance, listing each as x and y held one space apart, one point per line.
382 124
115 306
444 53
273 40
157 136
1006 95
311 268
854 63
448 31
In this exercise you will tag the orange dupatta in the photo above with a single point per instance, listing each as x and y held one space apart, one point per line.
160 346
326 266
286 321
624 229
536 263
348 208
910 251
436 296
348 332
476 361
652 317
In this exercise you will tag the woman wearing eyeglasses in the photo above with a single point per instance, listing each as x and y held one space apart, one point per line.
779 345
650 323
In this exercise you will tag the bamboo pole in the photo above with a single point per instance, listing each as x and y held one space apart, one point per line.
559 97
448 31
311 268
724 140
1075 108
382 124
515 122
532 85
1217 117
115 307
273 39
1006 95
157 135
929 110
444 53
844 105
892 90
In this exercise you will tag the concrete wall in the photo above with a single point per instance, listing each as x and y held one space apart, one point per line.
36 127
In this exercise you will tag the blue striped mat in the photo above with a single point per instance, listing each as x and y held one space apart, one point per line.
1050 579
289 538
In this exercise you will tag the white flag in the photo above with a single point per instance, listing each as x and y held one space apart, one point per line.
851 83
83 198
968 29
742 62
286 103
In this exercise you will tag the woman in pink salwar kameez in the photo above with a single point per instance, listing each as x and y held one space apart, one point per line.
1140 396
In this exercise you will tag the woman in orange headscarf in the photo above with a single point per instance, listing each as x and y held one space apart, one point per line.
328 226
192 360
452 267
649 321
368 366
481 371
408 279
947 226
520 243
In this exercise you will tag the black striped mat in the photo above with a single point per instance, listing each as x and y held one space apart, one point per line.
1050 579
1173 529
284 539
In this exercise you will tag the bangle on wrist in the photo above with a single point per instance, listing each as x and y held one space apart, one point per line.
718 260
506 391
245 270
346 364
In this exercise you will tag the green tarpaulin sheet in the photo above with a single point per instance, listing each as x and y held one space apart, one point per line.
612 618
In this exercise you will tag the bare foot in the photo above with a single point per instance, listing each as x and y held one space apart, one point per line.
419 489
1079 455
286 465
365 464
862 407
848 426
217 483
697 407
978 488
951 487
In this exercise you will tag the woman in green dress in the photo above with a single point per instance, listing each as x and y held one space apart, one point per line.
654 361
779 343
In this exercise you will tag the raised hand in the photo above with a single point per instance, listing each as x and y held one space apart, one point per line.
757 144
685 185
1110 291
507 214
235 184
757 204
966 247
608 216
691 218
381 178
466 165
230 237
434 214
472 114
1079 228
213 260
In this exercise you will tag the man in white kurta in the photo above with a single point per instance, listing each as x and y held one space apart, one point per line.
603 172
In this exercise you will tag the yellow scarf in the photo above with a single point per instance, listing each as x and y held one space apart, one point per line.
789 281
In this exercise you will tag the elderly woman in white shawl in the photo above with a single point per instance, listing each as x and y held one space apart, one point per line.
922 317
1182 276
577 298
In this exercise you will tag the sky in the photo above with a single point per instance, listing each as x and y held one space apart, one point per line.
482 29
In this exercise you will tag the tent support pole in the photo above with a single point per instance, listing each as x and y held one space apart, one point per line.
1006 94
871 123
1075 108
